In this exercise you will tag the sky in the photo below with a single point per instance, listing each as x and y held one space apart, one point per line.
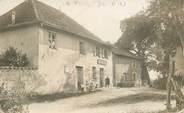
101 17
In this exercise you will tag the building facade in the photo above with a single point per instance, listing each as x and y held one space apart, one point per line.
126 69
65 54
179 61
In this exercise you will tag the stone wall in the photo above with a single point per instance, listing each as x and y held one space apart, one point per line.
27 78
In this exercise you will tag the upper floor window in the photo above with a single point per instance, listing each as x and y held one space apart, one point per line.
134 64
94 51
101 53
82 48
105 53
13 14
97 51
52 40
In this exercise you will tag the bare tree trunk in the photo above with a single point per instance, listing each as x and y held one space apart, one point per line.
145 75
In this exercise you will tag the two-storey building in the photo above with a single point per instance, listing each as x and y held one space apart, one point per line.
127 69
66 55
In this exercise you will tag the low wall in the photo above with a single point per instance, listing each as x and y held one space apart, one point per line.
25 78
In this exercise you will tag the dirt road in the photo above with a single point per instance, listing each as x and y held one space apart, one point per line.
111 100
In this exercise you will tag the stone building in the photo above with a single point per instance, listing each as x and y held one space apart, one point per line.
126 69
65 55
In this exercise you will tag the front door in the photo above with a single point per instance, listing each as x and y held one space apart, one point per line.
101 77
79 77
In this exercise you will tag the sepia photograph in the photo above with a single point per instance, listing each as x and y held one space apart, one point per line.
91 56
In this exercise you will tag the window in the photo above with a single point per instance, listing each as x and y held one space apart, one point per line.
134 64
52 40
105 54
13 17
94 51
97 51
82 48
134 76
94 73
101 53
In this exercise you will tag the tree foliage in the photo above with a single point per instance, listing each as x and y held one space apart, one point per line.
155 33
138 37
137 34
13 58
168 19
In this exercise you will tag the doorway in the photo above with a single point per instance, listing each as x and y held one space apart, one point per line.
101 77
80 78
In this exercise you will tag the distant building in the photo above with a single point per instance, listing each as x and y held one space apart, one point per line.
126 69
66 55
179 59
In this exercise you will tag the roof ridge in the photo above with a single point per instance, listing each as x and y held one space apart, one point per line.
36 10
72 20
123 52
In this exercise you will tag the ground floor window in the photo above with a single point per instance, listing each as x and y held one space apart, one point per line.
94 73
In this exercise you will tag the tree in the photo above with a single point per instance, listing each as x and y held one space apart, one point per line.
168 19
162 21
138 37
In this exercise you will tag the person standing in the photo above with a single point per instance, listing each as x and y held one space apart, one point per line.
107 82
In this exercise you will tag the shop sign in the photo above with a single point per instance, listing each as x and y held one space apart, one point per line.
101 62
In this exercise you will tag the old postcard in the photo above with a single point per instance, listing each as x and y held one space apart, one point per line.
91 56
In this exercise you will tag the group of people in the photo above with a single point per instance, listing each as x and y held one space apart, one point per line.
81 87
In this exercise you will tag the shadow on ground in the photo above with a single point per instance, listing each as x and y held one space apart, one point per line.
132 99
164 111
53 97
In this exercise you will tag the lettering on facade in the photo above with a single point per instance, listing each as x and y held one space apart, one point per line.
101 62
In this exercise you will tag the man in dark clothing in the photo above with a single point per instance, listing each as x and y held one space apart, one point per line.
107 82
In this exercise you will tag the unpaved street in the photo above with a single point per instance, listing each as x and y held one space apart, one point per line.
113 100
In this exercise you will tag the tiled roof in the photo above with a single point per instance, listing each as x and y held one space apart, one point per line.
125 53
36 11
24 14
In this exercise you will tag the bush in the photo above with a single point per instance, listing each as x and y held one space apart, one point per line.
160 83
11 100
13 58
